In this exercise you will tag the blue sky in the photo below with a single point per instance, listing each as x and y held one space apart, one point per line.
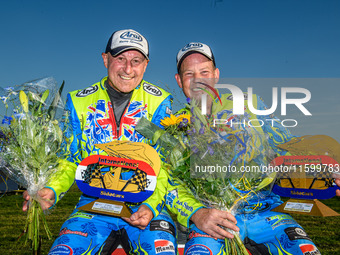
250 39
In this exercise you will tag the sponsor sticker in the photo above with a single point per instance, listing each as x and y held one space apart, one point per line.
164 246
87 91
309 249
132 36
192 46
231 97
279 220
104 207
298 207
194 234
198 249
66 231
61 249
81 214
152 90
294 233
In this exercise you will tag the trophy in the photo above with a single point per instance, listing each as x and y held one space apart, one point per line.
128 173
307 175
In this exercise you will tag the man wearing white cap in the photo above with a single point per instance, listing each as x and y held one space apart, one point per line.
106 111
262 231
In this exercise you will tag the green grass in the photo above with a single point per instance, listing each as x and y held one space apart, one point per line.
325 232
12 222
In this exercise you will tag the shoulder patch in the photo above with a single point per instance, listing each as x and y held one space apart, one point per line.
245 94
168 110
151 89
88 91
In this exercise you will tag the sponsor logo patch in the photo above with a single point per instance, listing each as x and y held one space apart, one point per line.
279 220
309 249
132 36
192 46
168 110
231 97
151 89
61 249
81 215
162 225
296 233
198 249
66 231
87 91
194 234
164 246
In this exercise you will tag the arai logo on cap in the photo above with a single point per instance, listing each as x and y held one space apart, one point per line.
132 36
192 46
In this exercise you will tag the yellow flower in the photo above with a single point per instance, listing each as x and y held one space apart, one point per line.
173 120
183 116
168 121
23 100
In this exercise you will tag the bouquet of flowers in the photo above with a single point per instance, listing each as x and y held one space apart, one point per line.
222 165
31 143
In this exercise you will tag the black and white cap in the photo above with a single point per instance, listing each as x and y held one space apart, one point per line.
194 47
127 39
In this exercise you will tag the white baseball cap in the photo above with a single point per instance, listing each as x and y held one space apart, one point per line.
194 47
127 39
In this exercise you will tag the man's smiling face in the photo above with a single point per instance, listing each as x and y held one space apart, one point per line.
126 70
195 71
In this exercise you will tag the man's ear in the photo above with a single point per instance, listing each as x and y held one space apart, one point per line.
105 59
146 64
179 81
217 74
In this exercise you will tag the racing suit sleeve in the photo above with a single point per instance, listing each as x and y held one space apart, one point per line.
181 202
275 132
62 180
157 200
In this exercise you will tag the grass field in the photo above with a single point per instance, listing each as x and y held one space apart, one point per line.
325 232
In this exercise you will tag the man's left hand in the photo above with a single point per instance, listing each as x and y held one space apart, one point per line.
141 218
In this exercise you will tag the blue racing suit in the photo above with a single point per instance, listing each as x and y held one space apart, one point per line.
262 231
93 122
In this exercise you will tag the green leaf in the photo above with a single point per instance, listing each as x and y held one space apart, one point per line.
53 107
157 135
44 96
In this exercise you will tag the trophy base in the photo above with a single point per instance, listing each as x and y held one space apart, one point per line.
107 207
306 207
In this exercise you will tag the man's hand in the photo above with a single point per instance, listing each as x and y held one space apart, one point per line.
337 181
141 218
45 197
210 220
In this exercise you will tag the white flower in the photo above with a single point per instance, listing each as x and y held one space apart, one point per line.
4 99
9 89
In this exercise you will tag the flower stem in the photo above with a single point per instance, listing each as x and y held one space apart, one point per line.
32 229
